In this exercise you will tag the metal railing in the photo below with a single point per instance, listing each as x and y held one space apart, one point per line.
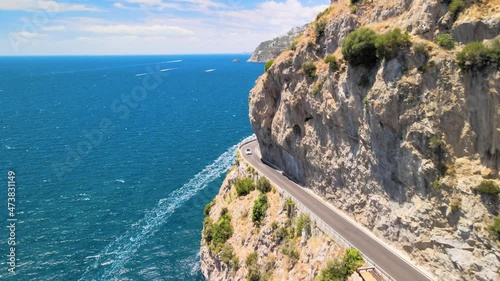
339 239
320 224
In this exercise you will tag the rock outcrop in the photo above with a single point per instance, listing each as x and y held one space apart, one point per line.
270 49
400 146
281 253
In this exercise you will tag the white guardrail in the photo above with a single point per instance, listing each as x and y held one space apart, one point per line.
320 224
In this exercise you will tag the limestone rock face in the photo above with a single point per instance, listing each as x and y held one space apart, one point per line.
270 49
399 146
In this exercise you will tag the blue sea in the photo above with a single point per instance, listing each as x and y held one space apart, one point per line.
115 158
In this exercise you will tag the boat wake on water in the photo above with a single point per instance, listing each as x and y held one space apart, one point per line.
111 261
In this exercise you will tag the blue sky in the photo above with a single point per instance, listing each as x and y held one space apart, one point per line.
48 27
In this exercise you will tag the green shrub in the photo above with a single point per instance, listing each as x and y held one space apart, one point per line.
320 28
436 184
303 222
227 256
339 270
263 185
268 65
334 271
289 207
259 209
332 62
358 48
309 69
252 267
244 186
221 232
208 208
208 229
352 260
495 227
321 14
224 211
446 41
388 43
488 187
280 234
476 55
293 46
456 6
291 251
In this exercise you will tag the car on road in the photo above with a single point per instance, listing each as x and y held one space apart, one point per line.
248 151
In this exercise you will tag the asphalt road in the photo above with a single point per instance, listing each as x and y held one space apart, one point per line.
394 265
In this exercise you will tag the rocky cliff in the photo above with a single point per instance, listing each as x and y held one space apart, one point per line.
285 245
401 145
270 49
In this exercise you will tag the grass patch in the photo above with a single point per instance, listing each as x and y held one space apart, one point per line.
319 28
325 12
309 69
332 62
455 204
289 207
495 226
318 86
456 6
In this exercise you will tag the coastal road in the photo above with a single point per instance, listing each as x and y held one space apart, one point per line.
394 265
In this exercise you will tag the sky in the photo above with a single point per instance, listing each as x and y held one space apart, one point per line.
126 27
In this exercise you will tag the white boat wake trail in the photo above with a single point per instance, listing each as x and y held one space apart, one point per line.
109 264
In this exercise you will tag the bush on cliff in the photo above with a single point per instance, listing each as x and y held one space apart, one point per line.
358 48
339 270
332 62
320 28
446 41
388 43
244 186
208 208
495 227
488 187
268 65
309 69
476 55
263 185
259 209
218 232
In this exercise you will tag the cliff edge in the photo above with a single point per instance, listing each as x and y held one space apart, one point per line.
270 49
404 138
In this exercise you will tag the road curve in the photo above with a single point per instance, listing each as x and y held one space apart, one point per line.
394 265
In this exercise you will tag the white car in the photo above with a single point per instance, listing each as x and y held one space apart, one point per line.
248 151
